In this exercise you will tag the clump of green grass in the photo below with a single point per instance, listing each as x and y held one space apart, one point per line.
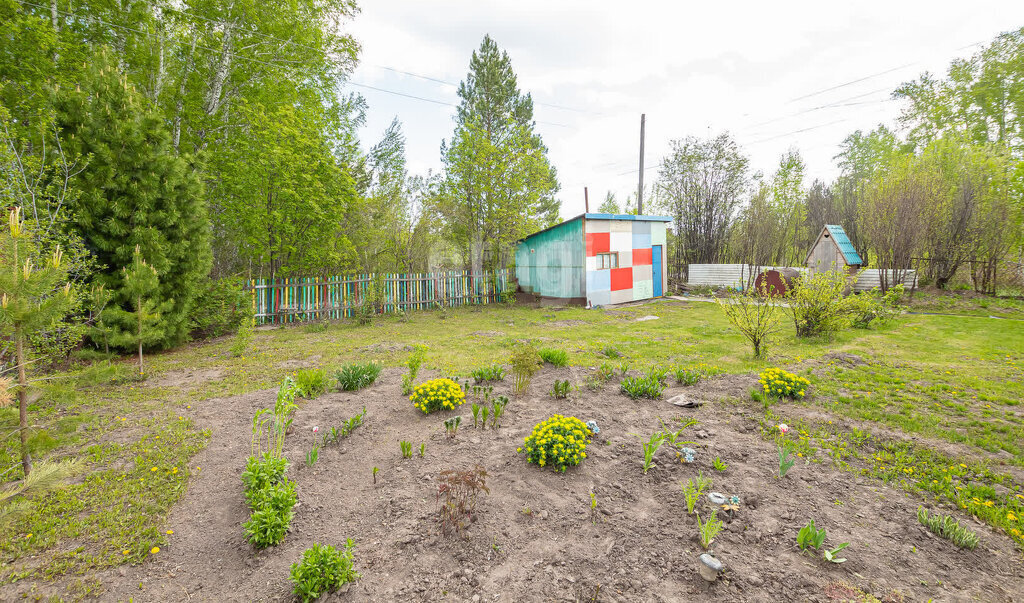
554 357
355 376
648 386
484 374
948 528
310 383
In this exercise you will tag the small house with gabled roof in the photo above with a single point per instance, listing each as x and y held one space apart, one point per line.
833 251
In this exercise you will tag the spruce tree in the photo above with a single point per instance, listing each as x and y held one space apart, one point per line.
34 293
142 325
136 192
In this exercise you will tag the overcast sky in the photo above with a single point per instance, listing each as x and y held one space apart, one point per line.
775 74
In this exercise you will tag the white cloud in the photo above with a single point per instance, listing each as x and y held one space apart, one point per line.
693 68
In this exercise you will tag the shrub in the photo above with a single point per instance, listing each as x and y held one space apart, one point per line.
817 305
488 373
647 386
310 383
870 306
355 376
243 338
557 441
261 474
272 514
221 307
437 394
525 364
948 528
755 316
554 357
416 358
323 569
457 492
779 383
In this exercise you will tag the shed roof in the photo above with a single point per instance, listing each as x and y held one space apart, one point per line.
590 216
845 246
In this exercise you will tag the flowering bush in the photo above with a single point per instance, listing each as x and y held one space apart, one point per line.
777 382
558 441
437 394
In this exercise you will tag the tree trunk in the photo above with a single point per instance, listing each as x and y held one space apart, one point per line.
138 309
26 458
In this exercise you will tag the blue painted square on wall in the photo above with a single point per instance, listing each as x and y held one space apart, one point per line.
641 227
641 241
599 280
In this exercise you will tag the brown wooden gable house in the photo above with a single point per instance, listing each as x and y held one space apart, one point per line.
833 251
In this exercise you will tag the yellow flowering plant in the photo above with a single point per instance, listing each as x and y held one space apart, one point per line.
782 384
558 441
437 394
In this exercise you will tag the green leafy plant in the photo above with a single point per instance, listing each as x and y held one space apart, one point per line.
873 306
356 376
437 394
610 352
810 536
659 374
310 383
709 529
451 426
561 389
786 460
142 326
525 363
949 528
313 455
457 493
243 337
476 413
423 449
558 441
687 376
323 569
832 555
623 368
605 372
693 489
593 507
415 361
498 411
650 447
406 448
642 387
817 305
271 515
262 473
756 315
486 374
484 412
375 470
554 357
720 465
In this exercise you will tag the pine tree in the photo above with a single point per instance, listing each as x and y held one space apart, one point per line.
34 293
136 193
142 325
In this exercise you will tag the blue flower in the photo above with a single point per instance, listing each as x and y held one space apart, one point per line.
689 454
592 426
734 500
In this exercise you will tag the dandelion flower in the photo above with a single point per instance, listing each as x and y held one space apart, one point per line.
154 550
169 532
153 469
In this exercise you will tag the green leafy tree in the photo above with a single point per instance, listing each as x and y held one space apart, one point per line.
34 294
141 326
136 193
610 205
499 184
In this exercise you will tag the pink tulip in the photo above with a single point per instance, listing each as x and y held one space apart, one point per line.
316 428
783 428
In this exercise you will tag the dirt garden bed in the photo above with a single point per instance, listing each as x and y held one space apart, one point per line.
534 538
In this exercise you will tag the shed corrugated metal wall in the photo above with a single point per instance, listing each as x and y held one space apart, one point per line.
550 263
735 275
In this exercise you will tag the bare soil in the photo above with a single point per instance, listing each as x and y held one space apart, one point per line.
534 537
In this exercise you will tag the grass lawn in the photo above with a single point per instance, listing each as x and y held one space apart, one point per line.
934 402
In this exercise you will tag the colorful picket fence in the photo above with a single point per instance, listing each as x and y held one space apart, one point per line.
305 299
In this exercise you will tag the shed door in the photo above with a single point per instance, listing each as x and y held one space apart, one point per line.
656 269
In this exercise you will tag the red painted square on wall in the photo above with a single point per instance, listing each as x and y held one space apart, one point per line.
598 242
641 257
622 278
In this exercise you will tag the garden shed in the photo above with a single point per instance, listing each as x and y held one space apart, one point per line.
832 250
595 260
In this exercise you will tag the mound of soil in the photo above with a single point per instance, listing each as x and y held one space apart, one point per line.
534 537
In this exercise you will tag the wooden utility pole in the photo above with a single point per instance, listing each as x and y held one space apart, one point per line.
586 200
640 188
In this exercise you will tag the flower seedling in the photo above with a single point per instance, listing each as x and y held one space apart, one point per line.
313 455
451 426
831 555
375 470
423 448
810 536
709 529
650 447
719 465
484 412
786 460
476 413
406 449
497 411
693 489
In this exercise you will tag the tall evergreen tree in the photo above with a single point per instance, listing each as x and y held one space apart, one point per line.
499 183
136 193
